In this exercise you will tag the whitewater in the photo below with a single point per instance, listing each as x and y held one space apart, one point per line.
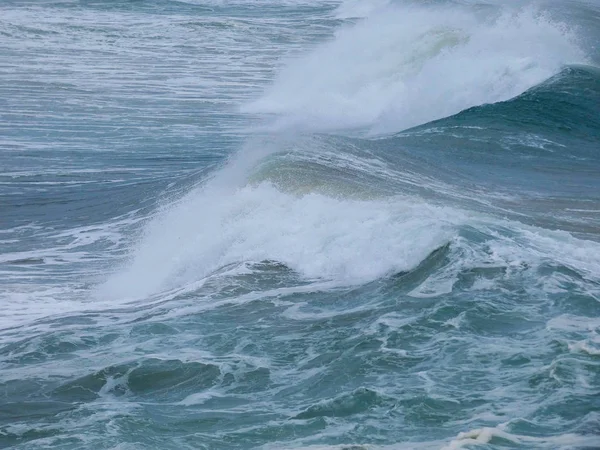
310 224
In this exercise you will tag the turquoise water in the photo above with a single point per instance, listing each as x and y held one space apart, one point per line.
299 224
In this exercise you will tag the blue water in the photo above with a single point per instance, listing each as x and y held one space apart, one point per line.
300 224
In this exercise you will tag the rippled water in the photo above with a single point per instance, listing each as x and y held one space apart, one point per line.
301 224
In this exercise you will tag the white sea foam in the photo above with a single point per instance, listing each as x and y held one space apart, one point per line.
486 435
407 65
469 439
320 237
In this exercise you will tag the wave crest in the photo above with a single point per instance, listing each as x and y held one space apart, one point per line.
404 66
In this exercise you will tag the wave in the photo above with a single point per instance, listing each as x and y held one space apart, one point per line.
330 217
534 155
407 65
352 210
351 241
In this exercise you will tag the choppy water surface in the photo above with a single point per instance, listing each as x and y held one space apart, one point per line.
299 224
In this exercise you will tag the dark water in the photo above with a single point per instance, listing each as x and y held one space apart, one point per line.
302 224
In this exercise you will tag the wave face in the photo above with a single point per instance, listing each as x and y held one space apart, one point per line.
316 224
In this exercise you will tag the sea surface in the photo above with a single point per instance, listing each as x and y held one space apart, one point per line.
299 224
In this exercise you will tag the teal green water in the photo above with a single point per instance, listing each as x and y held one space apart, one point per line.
302 224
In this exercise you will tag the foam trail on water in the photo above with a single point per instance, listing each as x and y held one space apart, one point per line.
407 65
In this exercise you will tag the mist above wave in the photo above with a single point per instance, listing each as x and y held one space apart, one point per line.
402 66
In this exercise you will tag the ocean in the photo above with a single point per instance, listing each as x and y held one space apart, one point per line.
299 224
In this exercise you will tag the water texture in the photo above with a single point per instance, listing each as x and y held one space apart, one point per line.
303 224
